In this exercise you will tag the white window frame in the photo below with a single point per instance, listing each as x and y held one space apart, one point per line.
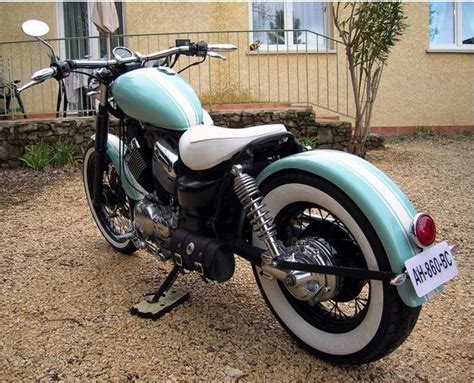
457 46
290 46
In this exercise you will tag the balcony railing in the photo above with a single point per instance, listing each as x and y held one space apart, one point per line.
297 67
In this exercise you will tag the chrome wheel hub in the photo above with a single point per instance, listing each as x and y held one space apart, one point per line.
311 287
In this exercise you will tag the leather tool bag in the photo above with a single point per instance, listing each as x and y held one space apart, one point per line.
206 255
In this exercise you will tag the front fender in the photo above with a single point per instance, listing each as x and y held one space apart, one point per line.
115 150
386 207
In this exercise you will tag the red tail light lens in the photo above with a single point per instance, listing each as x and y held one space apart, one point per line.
424 230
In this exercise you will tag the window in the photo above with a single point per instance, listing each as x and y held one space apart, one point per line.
452 25
289 25
74 20
76 24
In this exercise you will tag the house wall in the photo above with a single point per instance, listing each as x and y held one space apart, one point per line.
417 88
420 88
186 17
15 13
26 58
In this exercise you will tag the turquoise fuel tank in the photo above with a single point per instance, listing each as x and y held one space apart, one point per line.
160 97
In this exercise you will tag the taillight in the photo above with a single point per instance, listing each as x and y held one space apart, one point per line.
423 230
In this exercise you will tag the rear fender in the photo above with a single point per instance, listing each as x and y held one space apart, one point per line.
115 150
383 203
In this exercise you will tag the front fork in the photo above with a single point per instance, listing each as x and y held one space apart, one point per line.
101 134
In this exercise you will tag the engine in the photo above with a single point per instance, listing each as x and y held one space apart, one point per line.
152 221
164 162
156 217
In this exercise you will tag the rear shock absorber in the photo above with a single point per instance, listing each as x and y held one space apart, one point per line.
250 197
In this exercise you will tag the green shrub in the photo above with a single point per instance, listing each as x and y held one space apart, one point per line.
64 154
308 141
462 135
425 132
38 156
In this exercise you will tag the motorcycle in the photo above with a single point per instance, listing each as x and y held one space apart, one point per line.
339 253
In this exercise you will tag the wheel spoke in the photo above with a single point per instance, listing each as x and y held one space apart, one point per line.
342 313
116 211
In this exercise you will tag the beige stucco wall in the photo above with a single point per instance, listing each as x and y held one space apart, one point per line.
185 17
26 58
417 89
13 14
420 88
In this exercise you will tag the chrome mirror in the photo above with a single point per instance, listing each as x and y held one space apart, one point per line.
35 28
38 28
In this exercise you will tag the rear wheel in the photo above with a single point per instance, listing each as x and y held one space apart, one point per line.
113 217
356 321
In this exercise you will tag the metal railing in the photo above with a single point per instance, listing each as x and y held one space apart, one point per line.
297 67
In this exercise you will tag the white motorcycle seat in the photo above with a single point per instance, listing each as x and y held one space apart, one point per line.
203 146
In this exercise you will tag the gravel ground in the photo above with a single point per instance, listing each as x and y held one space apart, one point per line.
65 294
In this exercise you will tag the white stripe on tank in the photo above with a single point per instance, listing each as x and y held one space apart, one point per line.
180 99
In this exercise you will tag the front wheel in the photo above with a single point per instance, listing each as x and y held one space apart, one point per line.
113 217
356 321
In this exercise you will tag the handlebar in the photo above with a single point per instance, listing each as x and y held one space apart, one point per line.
57 70
38 77
221 47
28 85
138 57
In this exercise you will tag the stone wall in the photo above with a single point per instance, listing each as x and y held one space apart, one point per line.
301 122
16 135
374 142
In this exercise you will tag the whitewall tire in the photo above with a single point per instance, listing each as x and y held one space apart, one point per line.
124 246
382 324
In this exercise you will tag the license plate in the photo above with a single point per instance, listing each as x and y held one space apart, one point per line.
431 268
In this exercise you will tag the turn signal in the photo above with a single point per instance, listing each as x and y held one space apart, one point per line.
423 230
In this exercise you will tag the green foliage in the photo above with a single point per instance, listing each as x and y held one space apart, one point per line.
420 133
380 26
463 135
429 133
368 30
425 132
308 141
64 154
38 156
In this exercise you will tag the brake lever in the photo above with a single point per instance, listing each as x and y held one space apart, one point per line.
216 55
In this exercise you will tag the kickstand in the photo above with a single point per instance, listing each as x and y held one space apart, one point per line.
163 300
